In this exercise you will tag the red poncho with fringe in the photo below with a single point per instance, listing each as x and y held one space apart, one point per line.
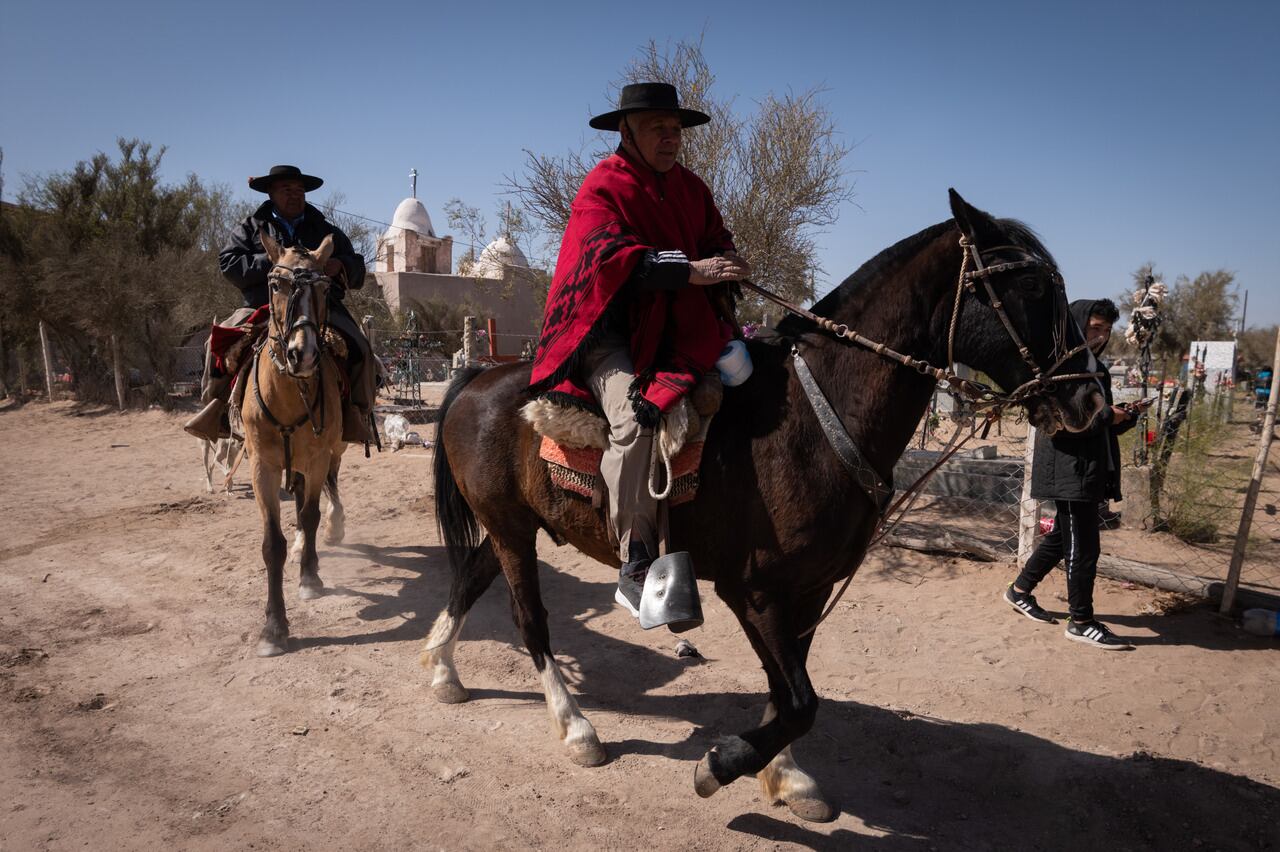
622 210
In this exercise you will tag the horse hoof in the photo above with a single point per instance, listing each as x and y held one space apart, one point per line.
310 591
587 753
269 648
704 782
450 692
812 810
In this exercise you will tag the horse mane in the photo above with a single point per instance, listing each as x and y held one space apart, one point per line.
1021 235
852 286
1017 232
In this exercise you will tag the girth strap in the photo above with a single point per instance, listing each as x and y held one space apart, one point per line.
880 492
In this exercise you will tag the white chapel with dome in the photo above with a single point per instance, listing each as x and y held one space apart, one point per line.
414 264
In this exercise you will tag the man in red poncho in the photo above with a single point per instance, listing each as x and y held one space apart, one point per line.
629 327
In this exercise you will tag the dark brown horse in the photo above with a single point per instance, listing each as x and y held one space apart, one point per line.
777 520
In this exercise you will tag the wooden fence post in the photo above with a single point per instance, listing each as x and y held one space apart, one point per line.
48 361
1028 508
1255 483
118 369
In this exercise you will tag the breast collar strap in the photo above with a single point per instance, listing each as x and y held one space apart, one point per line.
880 492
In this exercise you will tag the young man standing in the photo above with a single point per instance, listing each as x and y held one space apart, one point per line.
1077 470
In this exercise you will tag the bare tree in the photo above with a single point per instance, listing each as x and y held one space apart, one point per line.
471 223
778 174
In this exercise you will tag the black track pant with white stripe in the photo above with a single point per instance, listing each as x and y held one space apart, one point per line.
1075 540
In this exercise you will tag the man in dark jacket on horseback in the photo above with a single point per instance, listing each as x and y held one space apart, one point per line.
630 327
291 221
1077 470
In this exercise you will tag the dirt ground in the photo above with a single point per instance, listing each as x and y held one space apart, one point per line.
134 714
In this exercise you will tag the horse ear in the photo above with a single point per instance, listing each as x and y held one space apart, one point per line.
273 248
325 250
973 223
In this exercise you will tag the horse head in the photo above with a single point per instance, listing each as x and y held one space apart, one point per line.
1013 323
299 307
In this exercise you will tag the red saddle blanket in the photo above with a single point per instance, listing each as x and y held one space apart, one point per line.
223 338
578 469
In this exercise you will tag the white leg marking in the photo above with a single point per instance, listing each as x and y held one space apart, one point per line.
438 657
335 528
784 781
570 725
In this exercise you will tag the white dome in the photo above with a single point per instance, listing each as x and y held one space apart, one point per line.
498 254
412 216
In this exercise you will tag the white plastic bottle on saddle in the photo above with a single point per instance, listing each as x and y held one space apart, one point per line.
734 364
1263 622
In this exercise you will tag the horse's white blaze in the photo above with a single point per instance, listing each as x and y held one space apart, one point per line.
438 655
784 781
570 724
304 341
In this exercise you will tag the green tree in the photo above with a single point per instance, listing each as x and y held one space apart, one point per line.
1256 347
1202 308
106 249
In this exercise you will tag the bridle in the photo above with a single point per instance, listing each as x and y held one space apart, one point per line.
1042 380
977 394
280 330
298 278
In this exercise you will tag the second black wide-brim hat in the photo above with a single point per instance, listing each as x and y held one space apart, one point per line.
640 97
263 183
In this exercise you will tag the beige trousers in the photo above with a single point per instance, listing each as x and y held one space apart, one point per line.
625 465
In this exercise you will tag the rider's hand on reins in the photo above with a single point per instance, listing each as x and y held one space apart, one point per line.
716 270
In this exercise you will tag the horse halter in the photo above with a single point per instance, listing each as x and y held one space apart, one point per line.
298 278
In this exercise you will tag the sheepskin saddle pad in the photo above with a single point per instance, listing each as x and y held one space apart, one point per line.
574 439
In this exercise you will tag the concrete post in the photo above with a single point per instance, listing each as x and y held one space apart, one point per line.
469 325
1028 508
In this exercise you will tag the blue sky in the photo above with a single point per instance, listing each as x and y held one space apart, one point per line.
1122 131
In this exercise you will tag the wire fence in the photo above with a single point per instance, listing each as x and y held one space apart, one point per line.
1176 527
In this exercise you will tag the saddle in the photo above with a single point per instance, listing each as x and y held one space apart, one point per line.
574 440
232 348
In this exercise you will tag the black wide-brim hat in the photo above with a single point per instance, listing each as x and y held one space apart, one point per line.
642 97
263 183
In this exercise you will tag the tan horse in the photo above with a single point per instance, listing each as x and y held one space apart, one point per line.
292 416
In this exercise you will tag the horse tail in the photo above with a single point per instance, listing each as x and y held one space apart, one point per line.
456 522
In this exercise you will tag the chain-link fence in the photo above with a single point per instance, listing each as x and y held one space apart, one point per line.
971 505
1175 529
61 363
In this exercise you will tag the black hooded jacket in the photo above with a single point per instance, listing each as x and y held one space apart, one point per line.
1081 465
244 261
